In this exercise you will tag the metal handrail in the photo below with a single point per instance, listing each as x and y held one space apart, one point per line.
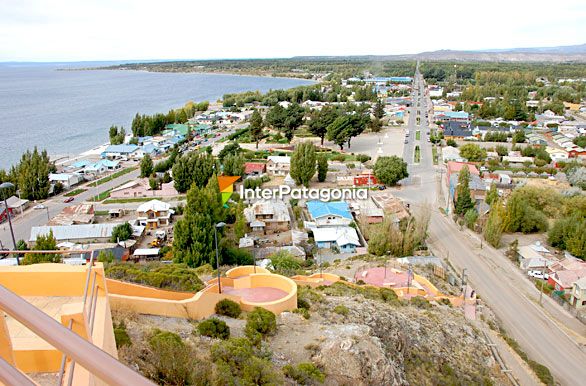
12 376
96 361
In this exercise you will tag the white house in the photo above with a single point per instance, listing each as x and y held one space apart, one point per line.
66 179
344 238
278 165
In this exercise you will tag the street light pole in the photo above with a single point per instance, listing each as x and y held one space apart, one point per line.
218 225
4 186
48 218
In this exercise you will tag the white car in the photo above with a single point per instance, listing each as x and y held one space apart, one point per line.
40 206
538 275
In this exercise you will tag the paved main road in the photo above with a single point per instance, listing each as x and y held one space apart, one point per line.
547 336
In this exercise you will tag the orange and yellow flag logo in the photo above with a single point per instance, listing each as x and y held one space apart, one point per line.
226 184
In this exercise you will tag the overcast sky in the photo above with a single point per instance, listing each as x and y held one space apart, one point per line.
75 30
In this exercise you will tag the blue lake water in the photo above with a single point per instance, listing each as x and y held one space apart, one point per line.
67 112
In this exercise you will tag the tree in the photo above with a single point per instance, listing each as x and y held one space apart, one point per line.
339 131
322 167
231 148
240 223
121 232
321 119
472 152
492 194
303 163
502 150
470 217
519 136
276 117
154 183
285 263
390 170
379 110
294 119
117 135
43 243
375 125
234 165
193 168
494 227
194 242
463 198
451 142
146 166
31 175
256 125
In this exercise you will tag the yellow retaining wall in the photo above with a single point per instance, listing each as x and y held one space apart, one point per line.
202 304
245 270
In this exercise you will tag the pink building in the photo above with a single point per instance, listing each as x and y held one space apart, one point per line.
141 188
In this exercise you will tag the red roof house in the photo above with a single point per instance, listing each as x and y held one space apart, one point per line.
254 168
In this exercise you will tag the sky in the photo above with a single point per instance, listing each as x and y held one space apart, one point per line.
90 30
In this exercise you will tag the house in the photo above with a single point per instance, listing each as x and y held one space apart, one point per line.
254 169
534 257
81 234
121 152
476 185
75 214
141 188
17 204
154 214
457 130
578 293
455 167
517 160
450 153
278 165
563 273
66 179
366 178
557 155
343 238
459 116
368 210
325 214
268 216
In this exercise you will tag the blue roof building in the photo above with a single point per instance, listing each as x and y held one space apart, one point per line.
334 213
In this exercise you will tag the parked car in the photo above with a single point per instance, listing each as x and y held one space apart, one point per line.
39 206
538 275
68 199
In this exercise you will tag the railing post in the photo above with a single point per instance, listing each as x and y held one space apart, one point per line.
5 342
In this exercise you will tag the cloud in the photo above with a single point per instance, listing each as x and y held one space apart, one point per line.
131 29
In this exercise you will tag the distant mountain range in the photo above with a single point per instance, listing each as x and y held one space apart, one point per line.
576 53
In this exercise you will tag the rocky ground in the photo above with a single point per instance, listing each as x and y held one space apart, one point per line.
359 337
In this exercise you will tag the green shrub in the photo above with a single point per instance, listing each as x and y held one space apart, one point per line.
160 338
260 322
228 308
176 277
304 373
214 328
420 302
445 301
362 158
303 312
302 303
341 309
388 295
121 336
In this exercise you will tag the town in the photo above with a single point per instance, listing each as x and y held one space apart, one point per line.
266 221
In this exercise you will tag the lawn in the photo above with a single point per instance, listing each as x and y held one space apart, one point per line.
417 154
101 213
75 192
418 135
102 196
115 175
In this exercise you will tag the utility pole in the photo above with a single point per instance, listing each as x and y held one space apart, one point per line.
464 283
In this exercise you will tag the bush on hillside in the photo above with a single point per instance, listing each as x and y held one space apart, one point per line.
228 308
214 328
